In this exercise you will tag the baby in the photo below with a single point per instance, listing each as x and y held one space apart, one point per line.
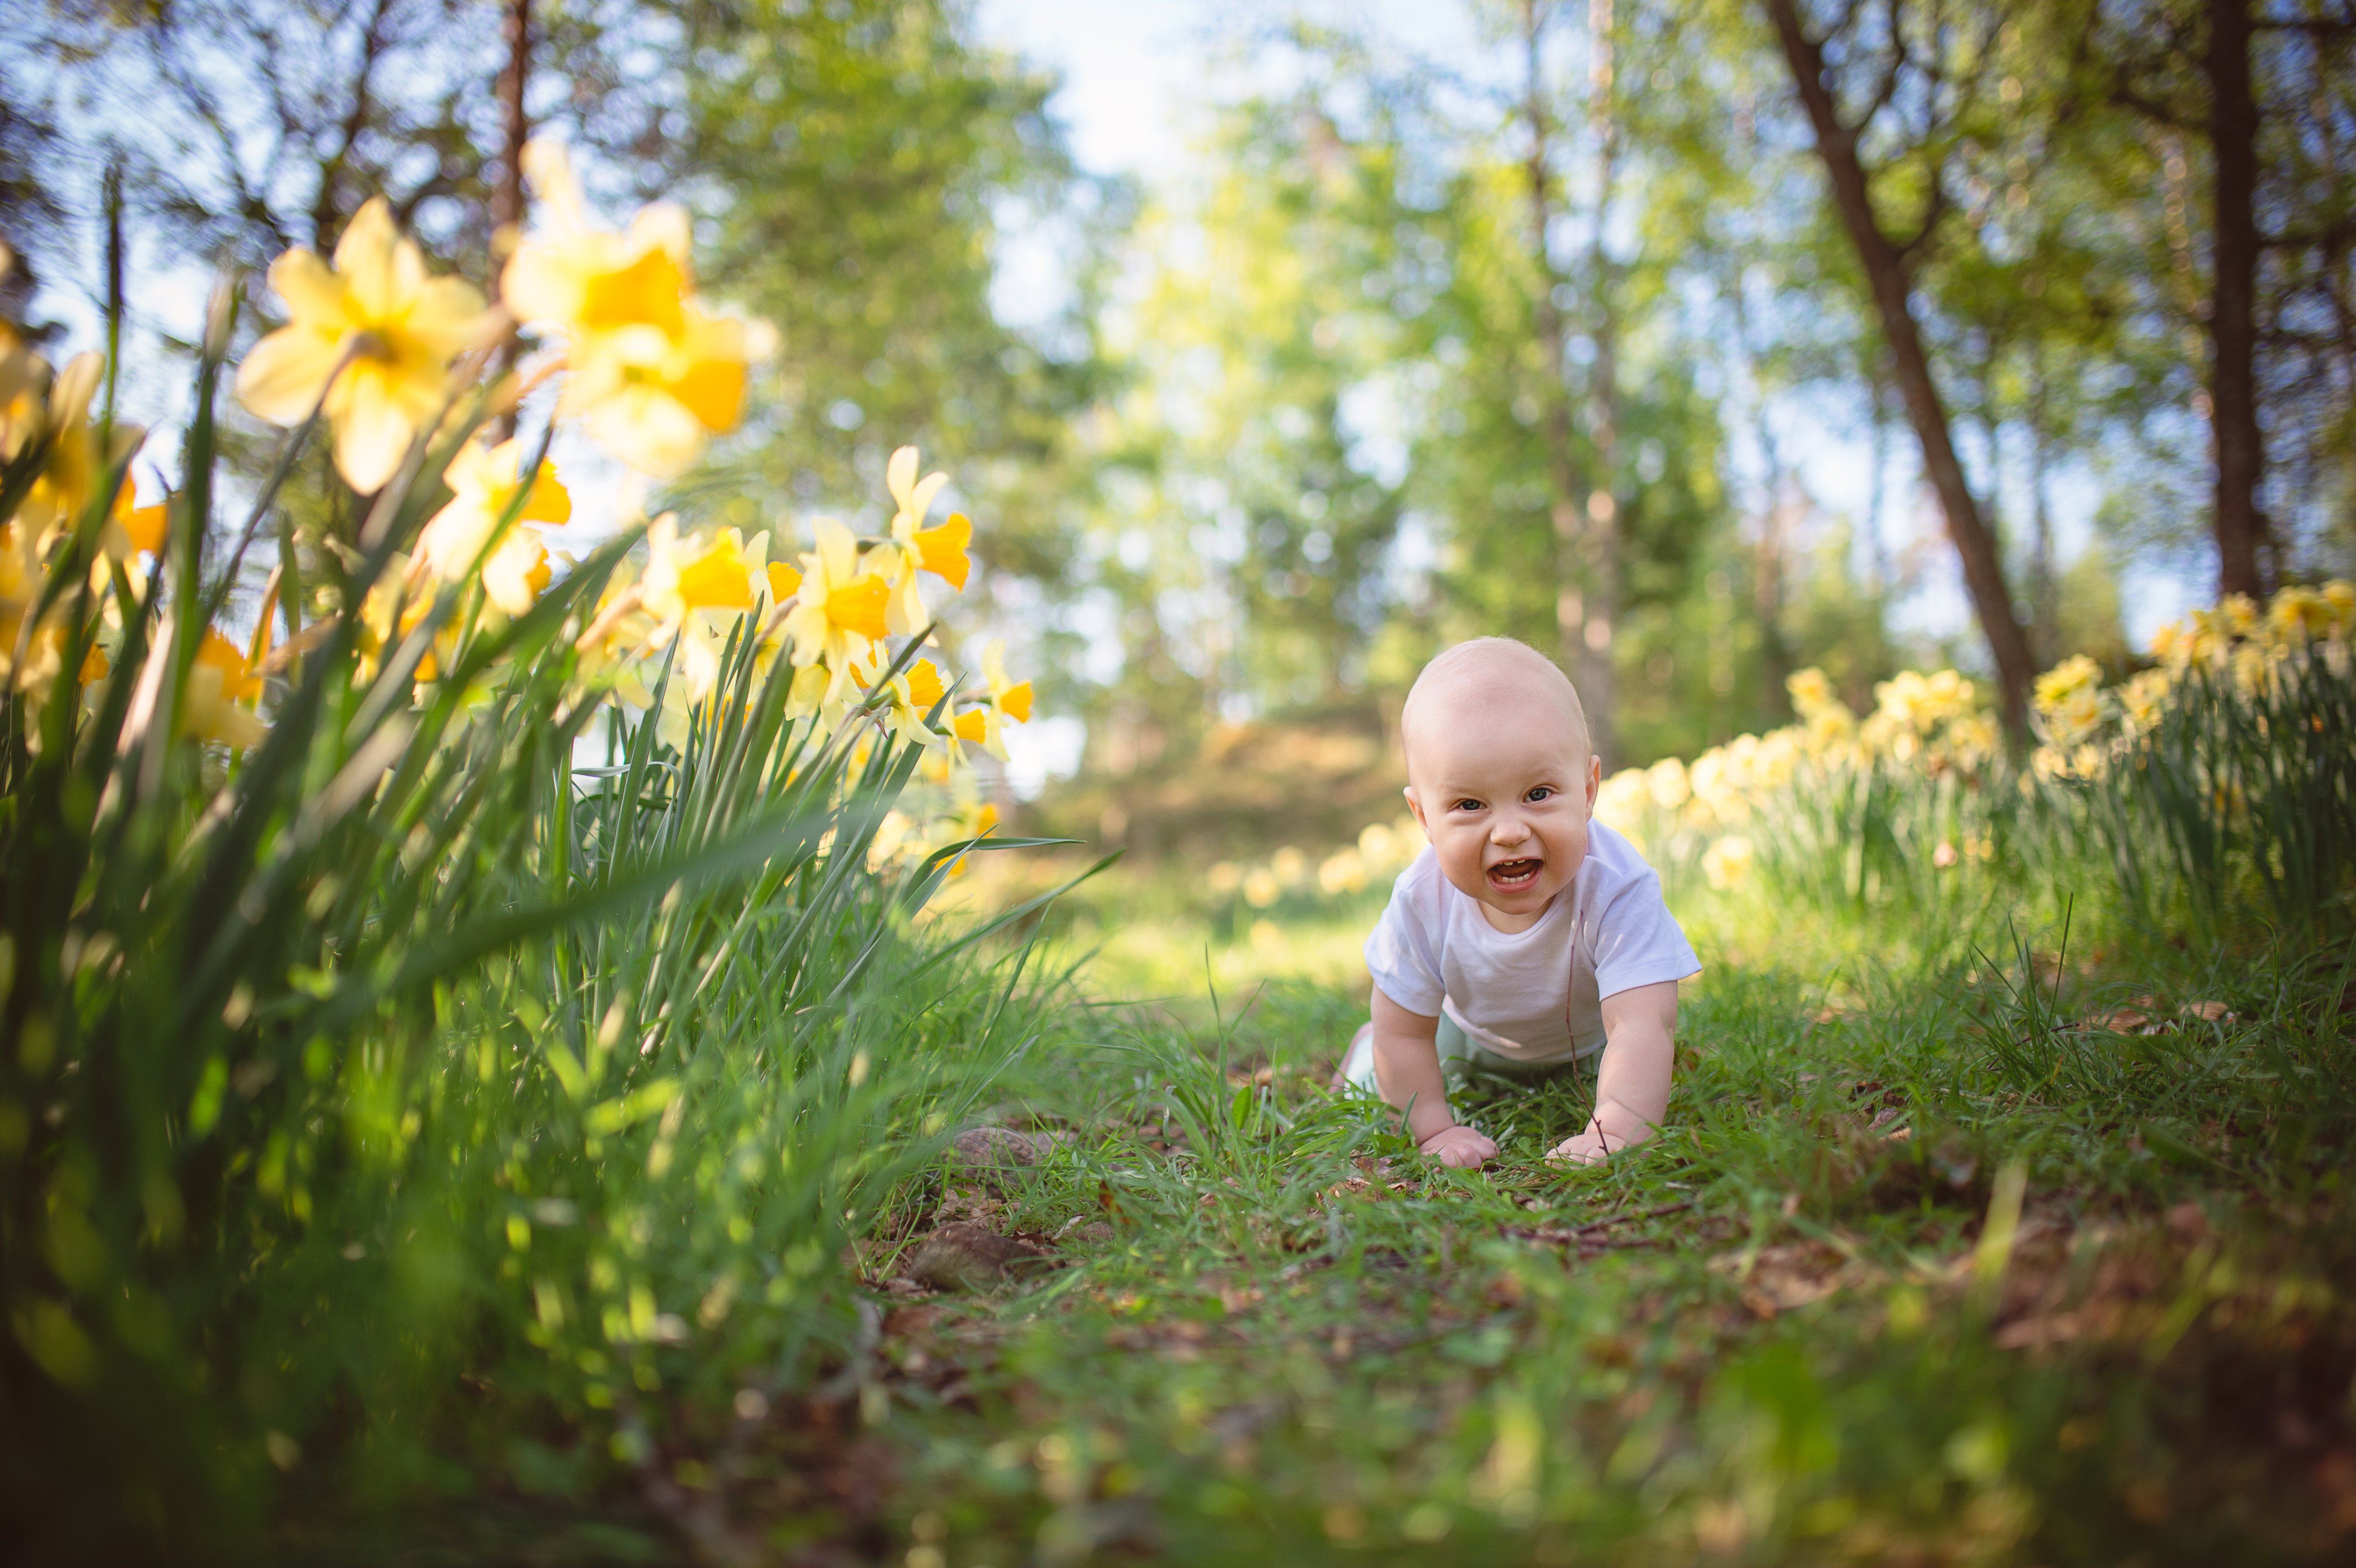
1527 936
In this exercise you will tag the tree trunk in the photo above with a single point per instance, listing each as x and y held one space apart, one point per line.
507 198
2232 313
1598 675
1566 509
1886 272
2044 585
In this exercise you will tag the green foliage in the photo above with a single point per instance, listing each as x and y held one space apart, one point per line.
384 1061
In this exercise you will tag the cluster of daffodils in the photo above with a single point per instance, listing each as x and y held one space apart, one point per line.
49 432
833 613
2238 646
1933 724
1383 850
398 364
381 350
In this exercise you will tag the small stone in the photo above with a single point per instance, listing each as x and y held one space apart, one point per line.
964 1256
1000 1149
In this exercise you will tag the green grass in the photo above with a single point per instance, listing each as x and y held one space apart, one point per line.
1781 1334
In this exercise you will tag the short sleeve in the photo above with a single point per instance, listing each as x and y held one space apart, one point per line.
1638 941
1403 953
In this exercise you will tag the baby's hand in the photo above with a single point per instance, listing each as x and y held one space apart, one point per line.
1589 1147
1461 1146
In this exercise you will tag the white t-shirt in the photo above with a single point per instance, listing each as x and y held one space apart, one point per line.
1535 995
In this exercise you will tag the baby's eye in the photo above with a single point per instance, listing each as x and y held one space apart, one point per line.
1544 792
1467 803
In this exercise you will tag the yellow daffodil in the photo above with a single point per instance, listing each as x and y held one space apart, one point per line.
654 397
941 550
1727 862
74 466
133 530
985 726
2140 699
652 373
400 327
2341 595
925 687
687 575
219 683
486 482
518 573
405 588
839 609
1012 698
2065 681
908 698
2073 717
581 280
1810 691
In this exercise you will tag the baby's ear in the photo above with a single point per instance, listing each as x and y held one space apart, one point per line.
1416 807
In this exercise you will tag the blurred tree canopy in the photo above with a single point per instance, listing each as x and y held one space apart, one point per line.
1558 336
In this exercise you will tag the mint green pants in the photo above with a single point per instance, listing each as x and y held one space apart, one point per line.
1461 1056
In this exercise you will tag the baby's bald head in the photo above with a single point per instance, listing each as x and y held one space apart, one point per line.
1485 683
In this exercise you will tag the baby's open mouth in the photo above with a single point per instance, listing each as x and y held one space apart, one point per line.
1512 876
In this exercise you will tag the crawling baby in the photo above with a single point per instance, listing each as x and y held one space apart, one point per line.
1527 937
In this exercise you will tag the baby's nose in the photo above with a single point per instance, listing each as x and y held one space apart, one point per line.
1508 829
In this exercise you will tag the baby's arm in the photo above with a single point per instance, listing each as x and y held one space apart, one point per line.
1631 1086
1407 1068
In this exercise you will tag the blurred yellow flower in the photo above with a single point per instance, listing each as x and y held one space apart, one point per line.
74 466
400 327
1810 691
653 374
653 398
218 683
1727 862
2141 697
518 573
1012 698
143 528
985 726
1261 887
2072 718
1667 783
583 280
2066 680
485 482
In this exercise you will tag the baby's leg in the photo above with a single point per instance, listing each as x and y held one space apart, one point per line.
1357 1069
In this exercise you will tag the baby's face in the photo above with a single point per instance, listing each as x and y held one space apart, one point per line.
1503 788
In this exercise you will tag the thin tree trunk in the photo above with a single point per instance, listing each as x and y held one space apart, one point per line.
507 197
1562 457
1598 675
2232 313
2044 587
1886 272
1877 558
1767 562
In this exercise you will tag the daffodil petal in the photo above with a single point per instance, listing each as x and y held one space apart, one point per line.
284 373
372 436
